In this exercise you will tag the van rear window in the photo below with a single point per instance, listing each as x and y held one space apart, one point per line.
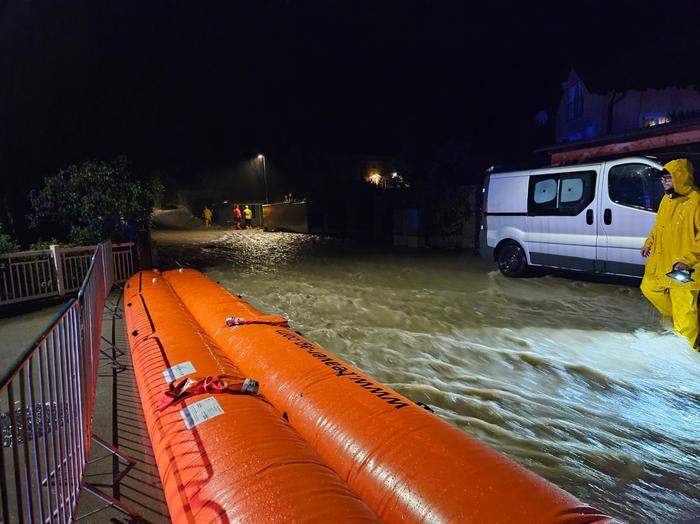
564 194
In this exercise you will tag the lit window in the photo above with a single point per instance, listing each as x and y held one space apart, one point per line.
655 119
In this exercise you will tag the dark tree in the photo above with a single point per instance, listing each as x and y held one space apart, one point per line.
89 202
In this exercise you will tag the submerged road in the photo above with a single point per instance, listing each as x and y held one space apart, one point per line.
574 379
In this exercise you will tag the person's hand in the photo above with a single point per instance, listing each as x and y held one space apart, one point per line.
680 265
646 251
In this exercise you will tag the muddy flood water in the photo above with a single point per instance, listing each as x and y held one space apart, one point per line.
574 379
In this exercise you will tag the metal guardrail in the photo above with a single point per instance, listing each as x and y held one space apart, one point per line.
27 274
47 403
31 275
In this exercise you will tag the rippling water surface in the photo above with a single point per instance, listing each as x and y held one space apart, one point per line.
576 380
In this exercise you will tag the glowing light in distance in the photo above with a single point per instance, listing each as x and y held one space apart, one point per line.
374 178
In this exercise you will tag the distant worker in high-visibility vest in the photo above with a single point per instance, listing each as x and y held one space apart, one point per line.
237 216
248 214
207 216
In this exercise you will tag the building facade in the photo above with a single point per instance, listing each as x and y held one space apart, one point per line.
587 111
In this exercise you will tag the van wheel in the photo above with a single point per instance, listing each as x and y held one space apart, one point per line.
512 261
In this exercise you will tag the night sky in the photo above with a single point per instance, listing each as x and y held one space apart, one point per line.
188 84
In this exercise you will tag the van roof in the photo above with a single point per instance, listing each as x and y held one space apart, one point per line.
503 170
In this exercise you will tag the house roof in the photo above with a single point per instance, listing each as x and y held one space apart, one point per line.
644 62
602 78
625 136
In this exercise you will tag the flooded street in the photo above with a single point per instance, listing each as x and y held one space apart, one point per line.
576 380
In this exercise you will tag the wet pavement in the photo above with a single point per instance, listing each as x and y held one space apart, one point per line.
119 420
18 332
575 379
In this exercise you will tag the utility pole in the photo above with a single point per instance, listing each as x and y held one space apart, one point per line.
261 157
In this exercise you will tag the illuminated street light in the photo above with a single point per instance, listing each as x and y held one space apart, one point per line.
261 158
394 175
374 178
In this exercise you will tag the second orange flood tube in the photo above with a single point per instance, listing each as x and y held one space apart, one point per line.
406 463
221 457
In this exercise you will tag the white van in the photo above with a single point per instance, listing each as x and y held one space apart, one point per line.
593 217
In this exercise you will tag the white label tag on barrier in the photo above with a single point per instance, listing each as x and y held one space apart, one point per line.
178 370
196 413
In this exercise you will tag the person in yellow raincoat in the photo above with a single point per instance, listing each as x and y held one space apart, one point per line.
207 216
248 215
674 243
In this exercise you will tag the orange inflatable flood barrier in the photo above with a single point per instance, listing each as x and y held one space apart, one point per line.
222 455
406 463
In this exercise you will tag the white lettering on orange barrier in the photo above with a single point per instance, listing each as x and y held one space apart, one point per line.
178 371
200 411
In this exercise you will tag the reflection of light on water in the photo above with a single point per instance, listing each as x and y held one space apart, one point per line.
574 379
268 251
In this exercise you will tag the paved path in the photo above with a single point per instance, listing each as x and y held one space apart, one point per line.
18 332
119 420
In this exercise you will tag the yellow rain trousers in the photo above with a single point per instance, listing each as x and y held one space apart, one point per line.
676 238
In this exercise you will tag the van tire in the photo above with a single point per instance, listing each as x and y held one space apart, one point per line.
512 261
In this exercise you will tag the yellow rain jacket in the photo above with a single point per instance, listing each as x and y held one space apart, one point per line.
676 238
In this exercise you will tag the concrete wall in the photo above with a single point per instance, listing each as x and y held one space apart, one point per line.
291 217
439 224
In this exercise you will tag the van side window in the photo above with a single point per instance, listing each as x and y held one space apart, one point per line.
571 190
545 191
635 185
576 192
564 194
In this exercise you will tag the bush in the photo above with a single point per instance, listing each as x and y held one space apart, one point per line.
46 244
7 244
93 201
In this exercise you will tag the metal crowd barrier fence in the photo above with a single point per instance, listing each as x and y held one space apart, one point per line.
43 273
47 401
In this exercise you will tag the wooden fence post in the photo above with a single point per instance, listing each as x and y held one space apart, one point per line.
58 264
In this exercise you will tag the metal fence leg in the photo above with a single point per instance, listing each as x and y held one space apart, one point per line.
111 502
111 344
112 360
113 307
117 478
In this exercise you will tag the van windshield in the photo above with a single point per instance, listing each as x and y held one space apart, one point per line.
636 185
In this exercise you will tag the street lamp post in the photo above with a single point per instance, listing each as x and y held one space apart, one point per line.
261 157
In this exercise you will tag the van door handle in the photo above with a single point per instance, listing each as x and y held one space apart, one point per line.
589 217
607 217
